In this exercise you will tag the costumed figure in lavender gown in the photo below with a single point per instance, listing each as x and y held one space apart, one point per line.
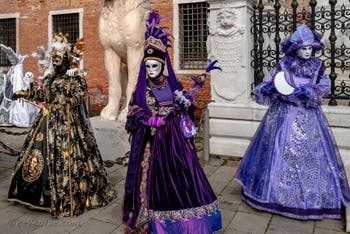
292 166
22 114
60 169
166 190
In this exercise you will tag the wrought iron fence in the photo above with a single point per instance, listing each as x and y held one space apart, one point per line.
272 21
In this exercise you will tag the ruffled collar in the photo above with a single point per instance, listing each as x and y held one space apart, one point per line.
301 67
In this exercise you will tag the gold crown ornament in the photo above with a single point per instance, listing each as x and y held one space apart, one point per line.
154 49
59 44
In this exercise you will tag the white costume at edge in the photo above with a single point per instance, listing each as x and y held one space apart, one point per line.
22 113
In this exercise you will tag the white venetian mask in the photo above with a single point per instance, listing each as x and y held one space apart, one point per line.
153 68
305 52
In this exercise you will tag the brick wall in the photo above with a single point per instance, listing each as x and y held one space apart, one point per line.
204 96
33 31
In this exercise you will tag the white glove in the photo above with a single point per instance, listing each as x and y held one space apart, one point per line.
72 72
181 99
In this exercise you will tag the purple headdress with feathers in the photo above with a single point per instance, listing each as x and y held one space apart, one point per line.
156 48
303 36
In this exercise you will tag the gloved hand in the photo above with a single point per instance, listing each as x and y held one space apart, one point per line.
268 89
20 94
72 72
302 91
181 99
154 121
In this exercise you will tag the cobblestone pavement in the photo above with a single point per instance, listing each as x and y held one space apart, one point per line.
237 217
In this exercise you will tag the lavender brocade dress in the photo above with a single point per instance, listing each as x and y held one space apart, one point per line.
292 166
166 189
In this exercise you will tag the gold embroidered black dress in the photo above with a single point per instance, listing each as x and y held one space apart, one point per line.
60 169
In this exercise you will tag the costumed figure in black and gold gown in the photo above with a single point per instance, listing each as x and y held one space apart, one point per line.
60 169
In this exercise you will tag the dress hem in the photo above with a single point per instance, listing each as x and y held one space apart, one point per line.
278 209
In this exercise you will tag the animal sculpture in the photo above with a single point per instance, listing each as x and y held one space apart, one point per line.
122 26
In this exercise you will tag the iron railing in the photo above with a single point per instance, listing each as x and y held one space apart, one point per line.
272 21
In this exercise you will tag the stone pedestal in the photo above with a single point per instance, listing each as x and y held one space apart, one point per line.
111 137
229 42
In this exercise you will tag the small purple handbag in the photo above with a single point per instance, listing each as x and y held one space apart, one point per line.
187 126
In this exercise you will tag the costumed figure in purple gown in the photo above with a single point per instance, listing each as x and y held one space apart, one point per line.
60 169
292 166
166 190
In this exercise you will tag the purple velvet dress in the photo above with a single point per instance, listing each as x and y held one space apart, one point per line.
292 166
166 190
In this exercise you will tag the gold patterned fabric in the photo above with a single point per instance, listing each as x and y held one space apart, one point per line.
60 169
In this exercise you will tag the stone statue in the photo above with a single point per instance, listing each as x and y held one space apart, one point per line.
225 23
225 43
122 25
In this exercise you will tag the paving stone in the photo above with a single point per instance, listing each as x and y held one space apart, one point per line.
3 192
232 189
331 224
235 187
209 170
17 229
226 217
119 187
7 162
119 230
233 163
95 227
54 230
280 223
123 171
220 178
51 225
215 161
232 231
229 200
9 214
111 214
248 209
88 215
326 231
115 177
26 212
112 169
229 205
285 231
4 203
6 175
251 223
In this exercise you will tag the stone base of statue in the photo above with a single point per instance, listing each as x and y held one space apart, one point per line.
111 137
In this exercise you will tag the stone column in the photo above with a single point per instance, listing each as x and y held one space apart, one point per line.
229 42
